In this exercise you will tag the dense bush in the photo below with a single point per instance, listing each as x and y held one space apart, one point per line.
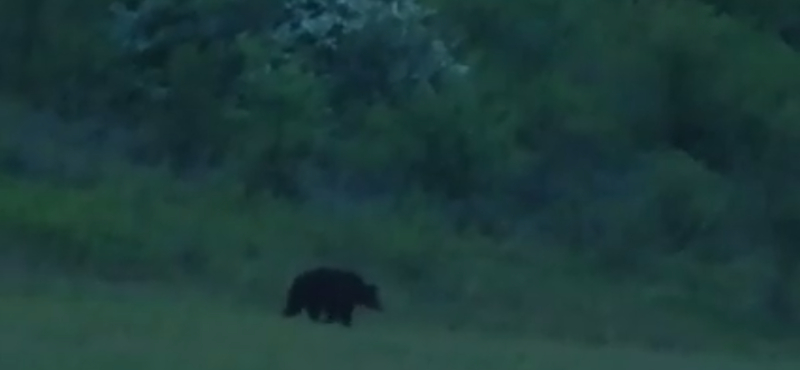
656 140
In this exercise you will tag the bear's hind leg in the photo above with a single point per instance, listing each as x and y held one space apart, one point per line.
314 312
292 308
330 316
346 319
345 315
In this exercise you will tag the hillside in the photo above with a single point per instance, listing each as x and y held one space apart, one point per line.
581 171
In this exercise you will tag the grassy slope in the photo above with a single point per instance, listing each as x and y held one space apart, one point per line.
430 277
140 222
94 327
427 275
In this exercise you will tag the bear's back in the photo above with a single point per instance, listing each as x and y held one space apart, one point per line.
330 276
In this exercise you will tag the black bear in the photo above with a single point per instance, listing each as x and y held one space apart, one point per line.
332 292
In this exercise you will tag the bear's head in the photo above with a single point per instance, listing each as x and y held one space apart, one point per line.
370 298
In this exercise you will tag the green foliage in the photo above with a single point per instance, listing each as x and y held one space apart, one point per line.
54 52
455 143
193 231
186 122
284 117
646 137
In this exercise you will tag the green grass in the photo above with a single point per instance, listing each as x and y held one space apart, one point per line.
138 228
93 327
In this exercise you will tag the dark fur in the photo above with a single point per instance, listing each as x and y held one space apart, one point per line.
332 292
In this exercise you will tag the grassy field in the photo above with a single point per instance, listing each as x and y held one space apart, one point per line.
66 326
